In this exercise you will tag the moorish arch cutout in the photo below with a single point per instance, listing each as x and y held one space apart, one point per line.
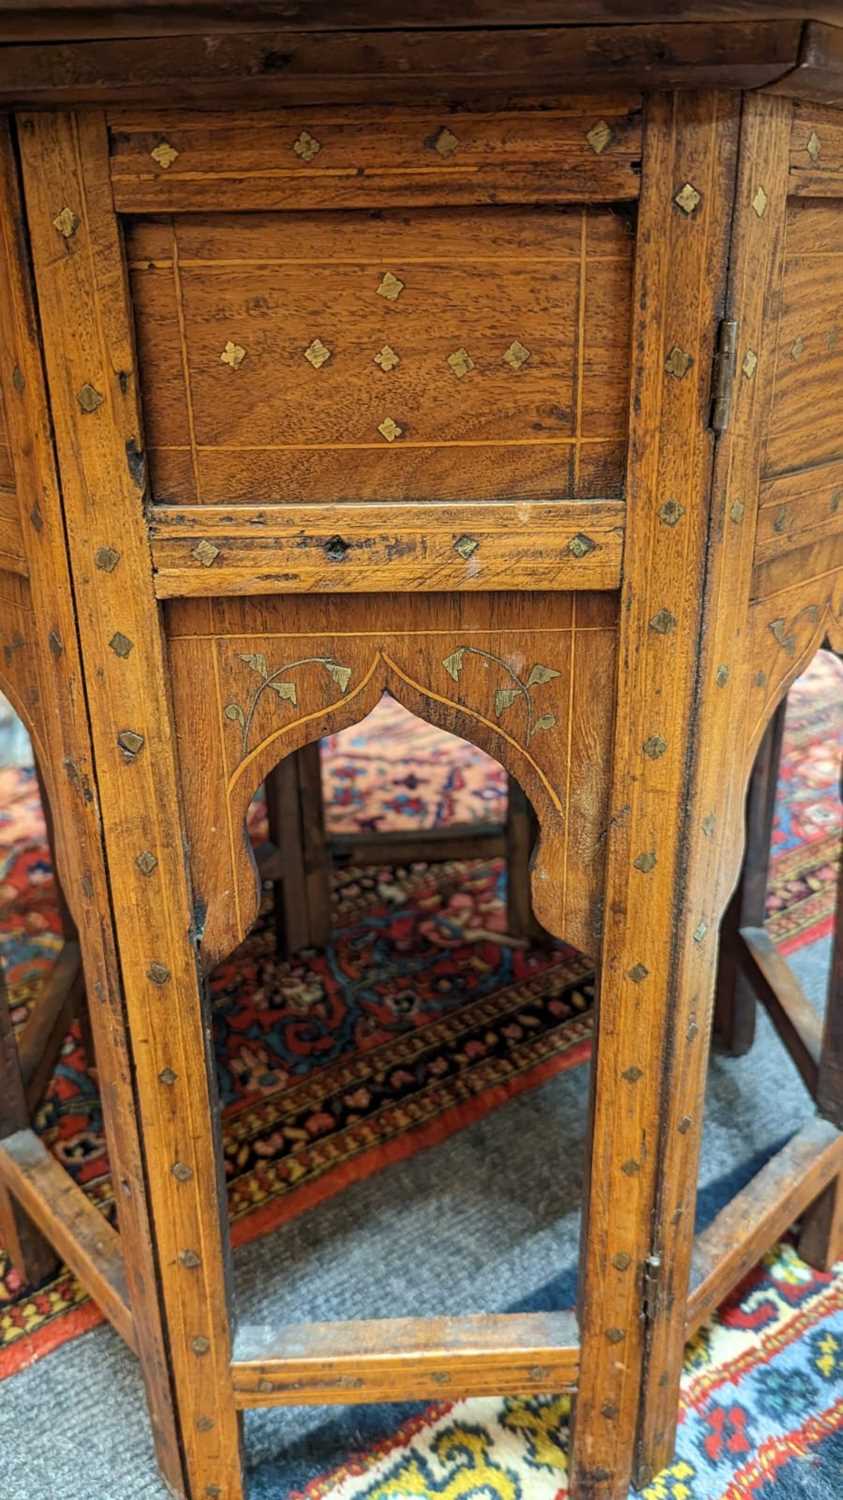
254 680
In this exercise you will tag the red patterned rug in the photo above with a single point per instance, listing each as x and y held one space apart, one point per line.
419 1018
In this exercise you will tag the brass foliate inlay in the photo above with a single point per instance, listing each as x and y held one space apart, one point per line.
445 142
389 429
750 363
655 747
205 552
599 136
66 222
759 202
387 358
678 363
317 353
687 198
814 145
664 623
164 154
460 362
671 512
89 398
580 545
466 546
306 146
390 287
516 355
797 348
233 355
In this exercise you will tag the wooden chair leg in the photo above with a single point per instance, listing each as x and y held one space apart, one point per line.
735 999
31 1255
296 817
821 1233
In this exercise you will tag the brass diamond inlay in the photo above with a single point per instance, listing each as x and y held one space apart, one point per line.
233 355
120 644
445 142
664 623
678 363
165 154
306 146
645 862
750 363
89 398
638 973
66 223
737 512
390 287
146 862
106 559
599 136
814 145
759 202
797 348
687 198
317 353
389 429
516 355
205 552
580 545
460 362
387 358
466 546
671 512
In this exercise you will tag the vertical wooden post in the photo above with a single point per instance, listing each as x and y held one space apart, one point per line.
71 787
296 817
29 1252
677 802
91 372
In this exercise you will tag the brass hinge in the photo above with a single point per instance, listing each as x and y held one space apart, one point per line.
651 1288
723 375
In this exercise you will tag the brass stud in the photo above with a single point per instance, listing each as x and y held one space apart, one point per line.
205 552
737 512
200 1345
638 973
106 559
664 623
632 1075
684 1124
189 1259
387 358
317 354
700 932
678 363
389 429
89 398
598 137
181 1171
709 824
146 862
130 742
813 145
213 1492
687 198
306 146
66 222
164 154
631 1168
759 202
645 862
609 1411
516 355
167 1077
750 364
466 546
233 355
671 512
654 748
580 545
621 1261
120 644
721 676
615 1335
158 973
445 142
204 1424
797 348
390 287
460 362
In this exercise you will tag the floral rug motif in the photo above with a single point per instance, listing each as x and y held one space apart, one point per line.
761 1415
419 1018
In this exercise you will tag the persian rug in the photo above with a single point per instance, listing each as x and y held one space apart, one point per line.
419 1018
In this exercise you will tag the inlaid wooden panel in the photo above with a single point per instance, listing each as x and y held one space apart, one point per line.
799 509
806 424
361 158
432 355
816 150
528 678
